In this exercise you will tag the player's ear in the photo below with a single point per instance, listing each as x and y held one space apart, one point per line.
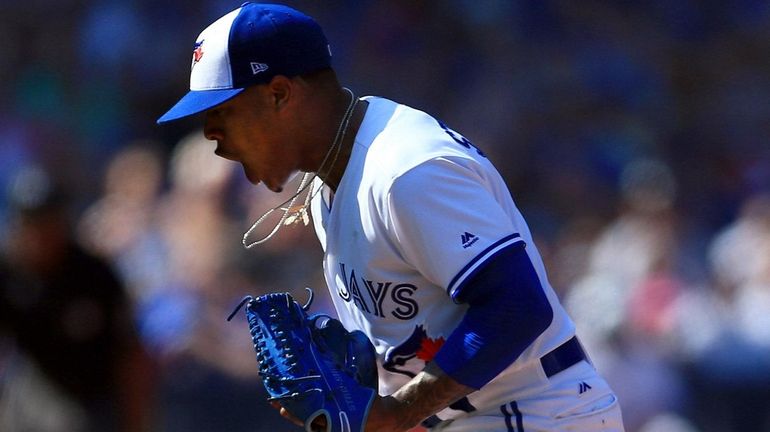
280 91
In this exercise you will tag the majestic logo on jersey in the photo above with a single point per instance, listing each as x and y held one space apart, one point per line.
468 239
583 387
197 53
372 297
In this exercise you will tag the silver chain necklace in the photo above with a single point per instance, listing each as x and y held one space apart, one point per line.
293 214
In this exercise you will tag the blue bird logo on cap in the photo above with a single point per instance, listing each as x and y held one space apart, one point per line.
197 52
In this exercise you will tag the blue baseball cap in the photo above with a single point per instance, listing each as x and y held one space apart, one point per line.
248 46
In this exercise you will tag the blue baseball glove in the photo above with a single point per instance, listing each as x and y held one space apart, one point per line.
312 365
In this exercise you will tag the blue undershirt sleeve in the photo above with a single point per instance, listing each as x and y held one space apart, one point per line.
508 310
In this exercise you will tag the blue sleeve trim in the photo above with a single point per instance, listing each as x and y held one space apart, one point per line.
466 272
508 310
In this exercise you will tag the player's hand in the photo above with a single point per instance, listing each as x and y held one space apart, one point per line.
387 414
384 416
427 393
285 414
319 423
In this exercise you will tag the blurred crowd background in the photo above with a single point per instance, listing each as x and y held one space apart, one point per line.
633 136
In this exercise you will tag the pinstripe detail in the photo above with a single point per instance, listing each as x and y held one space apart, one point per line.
507 415
469 268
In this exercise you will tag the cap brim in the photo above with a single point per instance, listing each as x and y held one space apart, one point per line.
198 101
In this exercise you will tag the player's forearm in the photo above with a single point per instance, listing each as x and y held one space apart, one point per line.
429 392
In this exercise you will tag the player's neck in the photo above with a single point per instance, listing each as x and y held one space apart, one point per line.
333 176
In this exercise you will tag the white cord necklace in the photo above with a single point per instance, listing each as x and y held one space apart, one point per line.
294 214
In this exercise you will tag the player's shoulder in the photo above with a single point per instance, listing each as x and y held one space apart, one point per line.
401 138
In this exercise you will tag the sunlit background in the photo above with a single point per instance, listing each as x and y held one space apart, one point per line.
633 136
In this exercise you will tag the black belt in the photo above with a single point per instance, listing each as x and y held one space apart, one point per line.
564 356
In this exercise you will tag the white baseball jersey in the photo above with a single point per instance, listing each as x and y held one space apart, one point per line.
418 209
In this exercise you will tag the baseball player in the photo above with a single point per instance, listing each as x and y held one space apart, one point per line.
424 248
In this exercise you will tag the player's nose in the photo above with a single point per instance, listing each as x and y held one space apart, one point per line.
210 130
211 133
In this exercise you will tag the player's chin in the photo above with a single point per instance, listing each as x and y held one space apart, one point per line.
271 184
251 176
276 181
275 187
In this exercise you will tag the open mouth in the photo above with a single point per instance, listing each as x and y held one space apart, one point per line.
221 152
218 150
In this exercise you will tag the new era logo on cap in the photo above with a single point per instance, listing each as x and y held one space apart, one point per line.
258 67
249 46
